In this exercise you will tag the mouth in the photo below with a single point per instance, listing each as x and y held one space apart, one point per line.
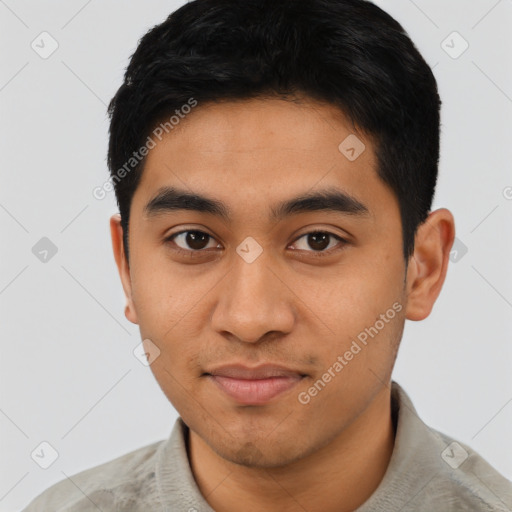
254 386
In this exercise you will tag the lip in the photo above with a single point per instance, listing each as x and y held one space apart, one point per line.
254 386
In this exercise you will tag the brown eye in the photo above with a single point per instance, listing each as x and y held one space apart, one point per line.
192 240
318 241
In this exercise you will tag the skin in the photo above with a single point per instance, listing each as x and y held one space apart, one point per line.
287 307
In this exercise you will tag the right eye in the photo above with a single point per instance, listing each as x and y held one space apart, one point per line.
191 241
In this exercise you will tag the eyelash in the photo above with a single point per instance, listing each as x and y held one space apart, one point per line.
191 253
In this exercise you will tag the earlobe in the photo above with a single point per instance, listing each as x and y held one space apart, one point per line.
429 263
116 232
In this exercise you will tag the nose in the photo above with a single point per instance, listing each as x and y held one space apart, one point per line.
253 302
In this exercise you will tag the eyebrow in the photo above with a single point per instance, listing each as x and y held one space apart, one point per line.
169 199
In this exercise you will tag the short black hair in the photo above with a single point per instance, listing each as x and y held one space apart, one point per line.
348 53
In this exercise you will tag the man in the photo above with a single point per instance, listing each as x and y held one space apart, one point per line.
274 164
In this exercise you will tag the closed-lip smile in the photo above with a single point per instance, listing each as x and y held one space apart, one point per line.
254 385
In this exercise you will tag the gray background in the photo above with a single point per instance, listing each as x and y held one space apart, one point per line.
68 373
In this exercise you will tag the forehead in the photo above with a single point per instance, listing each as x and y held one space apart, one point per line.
260 150
263 123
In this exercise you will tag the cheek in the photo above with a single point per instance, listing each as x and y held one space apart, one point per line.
177 383
170 307
355 294
162 295
361 306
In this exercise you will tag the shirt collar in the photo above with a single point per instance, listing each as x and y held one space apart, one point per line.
416 445
415 461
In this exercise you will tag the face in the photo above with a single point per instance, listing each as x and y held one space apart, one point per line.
277 318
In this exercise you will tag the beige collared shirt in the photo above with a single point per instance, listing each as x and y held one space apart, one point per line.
428 472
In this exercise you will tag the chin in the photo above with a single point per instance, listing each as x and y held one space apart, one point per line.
259 454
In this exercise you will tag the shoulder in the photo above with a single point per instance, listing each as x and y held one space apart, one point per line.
113 485
466 479
430 470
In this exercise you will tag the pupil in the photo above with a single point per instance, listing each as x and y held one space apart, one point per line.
197 240
318 241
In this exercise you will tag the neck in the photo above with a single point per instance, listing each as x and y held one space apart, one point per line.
342 475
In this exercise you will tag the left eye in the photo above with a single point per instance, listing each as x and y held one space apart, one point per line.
319 241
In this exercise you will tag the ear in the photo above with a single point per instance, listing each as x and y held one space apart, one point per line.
429 263
116 232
